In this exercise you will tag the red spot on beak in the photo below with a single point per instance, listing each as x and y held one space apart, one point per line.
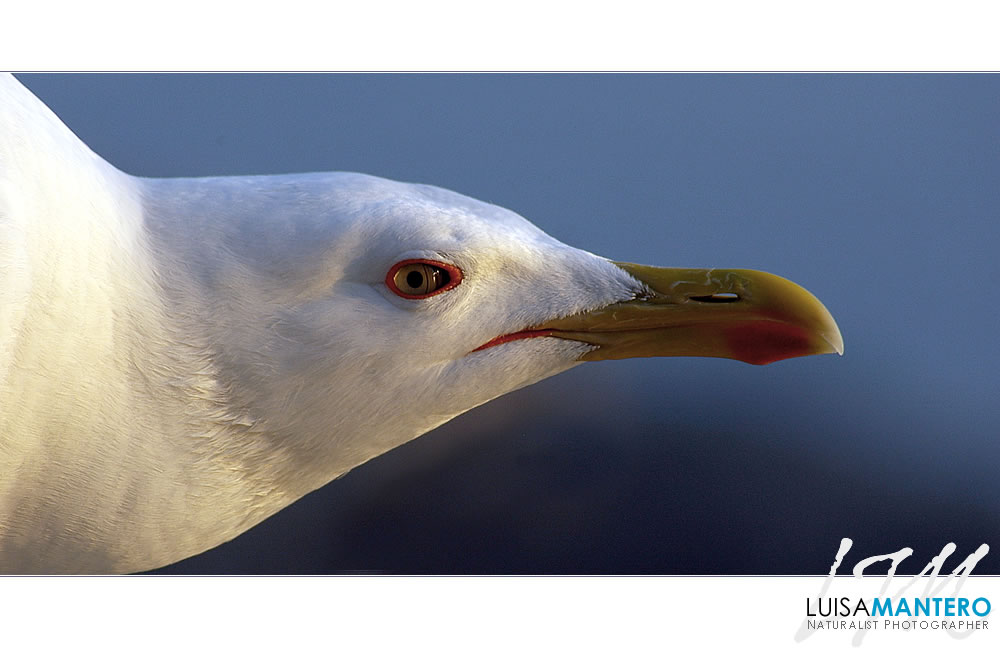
762 342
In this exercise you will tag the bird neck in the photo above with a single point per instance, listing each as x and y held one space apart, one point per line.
116 435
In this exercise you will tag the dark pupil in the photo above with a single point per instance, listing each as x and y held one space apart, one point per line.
414 279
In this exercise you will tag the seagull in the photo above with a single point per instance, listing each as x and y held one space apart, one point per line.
182 358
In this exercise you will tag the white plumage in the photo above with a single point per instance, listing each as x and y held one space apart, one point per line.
181 358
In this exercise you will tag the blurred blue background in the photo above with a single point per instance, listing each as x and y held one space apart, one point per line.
878 193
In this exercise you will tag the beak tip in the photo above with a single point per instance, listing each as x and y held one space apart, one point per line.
836 342
832 336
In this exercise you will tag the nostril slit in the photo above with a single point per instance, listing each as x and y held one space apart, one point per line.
717 297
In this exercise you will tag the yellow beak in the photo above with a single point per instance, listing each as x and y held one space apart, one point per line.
750 316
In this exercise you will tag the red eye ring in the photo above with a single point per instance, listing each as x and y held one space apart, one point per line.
452 273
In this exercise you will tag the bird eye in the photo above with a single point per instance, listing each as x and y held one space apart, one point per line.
422 278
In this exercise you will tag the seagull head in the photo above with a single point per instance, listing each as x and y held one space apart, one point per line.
369 311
